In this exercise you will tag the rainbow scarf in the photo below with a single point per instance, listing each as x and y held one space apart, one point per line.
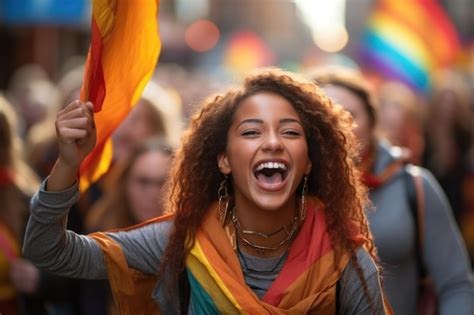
306 283
131 289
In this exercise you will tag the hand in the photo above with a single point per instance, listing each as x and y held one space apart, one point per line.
76 133
25 276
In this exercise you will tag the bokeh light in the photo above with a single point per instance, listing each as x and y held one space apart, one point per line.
246 51
326 22
202 35
332 40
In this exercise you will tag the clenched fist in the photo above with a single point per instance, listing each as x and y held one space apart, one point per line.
76 134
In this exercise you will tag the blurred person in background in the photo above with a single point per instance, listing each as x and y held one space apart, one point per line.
31 92
401 119
136 194
41 144
137 189
392 223
449 130
41 152
19 279
193 85
450 153
157 113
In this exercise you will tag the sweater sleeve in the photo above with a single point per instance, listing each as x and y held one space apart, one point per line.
352 298
50 246
144 247
444 252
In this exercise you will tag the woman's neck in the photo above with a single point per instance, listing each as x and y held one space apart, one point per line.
263 220
265 228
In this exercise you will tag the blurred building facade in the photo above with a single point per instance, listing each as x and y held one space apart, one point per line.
50 32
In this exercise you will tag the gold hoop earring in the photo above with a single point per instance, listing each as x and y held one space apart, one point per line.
223 205
303 198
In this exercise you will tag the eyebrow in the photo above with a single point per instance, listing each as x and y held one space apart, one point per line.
290 120
260 121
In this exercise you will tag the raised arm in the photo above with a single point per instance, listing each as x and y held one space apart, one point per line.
47 243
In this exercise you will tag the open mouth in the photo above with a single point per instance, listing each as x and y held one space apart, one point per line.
271 172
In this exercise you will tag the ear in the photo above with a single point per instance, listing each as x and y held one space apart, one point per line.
308 168
223 163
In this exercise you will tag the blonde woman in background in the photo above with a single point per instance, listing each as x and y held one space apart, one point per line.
157 113
137 190
41 144
19 279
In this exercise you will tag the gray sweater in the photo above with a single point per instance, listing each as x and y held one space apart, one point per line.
53 248
444 253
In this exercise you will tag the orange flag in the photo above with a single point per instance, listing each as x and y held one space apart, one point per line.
124 49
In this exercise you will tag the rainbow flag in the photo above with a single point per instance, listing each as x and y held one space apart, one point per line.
306 282
122 57
408 41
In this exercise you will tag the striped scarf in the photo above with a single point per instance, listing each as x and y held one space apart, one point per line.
306 283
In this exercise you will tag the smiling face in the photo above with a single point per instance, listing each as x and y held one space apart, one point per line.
266 153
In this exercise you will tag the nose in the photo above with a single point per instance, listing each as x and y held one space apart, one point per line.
272 142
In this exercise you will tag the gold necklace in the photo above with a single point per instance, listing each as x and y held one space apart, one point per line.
290 228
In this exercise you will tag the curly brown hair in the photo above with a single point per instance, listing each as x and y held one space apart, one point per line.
331 146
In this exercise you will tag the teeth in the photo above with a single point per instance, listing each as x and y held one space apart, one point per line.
271 165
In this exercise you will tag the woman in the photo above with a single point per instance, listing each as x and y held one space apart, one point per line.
20 280
137 188
157 113
261 222
401 119
449 153
393 224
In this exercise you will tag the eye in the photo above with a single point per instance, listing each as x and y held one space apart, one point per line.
250 133
292 133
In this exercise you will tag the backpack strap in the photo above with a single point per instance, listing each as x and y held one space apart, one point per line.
184 291
416 202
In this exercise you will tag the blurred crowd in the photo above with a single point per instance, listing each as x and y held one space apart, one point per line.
435 131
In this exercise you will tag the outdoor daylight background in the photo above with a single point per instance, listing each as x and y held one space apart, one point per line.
417 54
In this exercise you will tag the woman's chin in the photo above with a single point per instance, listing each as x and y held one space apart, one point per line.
272 203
